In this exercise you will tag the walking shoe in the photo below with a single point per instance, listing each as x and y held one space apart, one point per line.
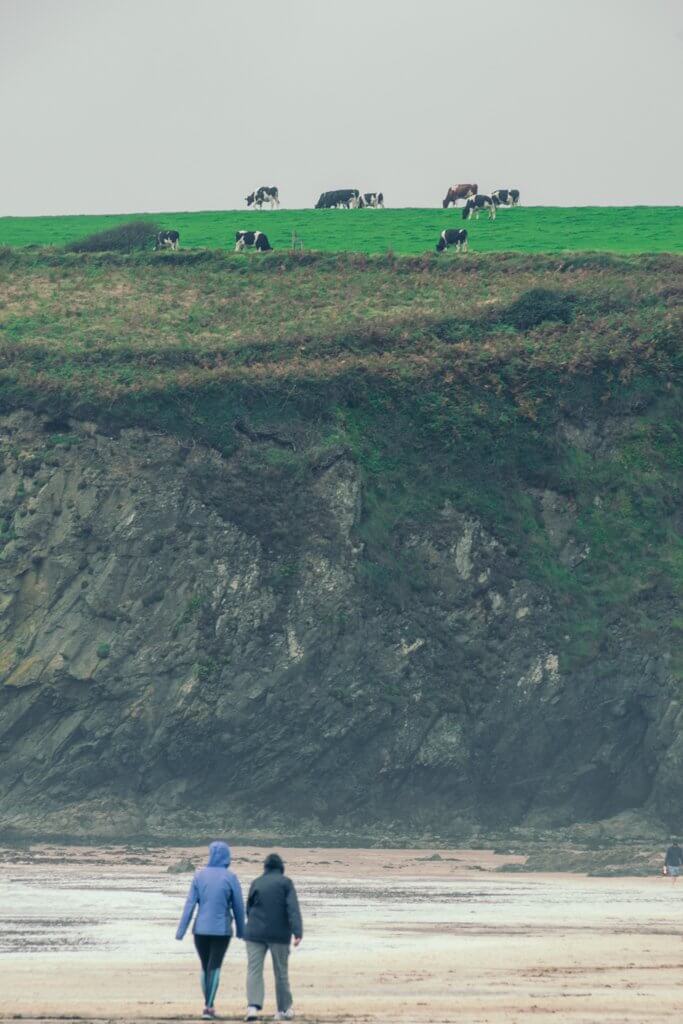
208 1013
252 1013
285 1014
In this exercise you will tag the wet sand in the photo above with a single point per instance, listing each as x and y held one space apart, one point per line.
390 936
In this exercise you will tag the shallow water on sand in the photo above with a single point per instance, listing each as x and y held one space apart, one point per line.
398 948
121 913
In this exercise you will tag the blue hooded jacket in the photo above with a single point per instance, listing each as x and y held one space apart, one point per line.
219 895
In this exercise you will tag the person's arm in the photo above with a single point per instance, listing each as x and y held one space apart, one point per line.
190 903
294 914
237 906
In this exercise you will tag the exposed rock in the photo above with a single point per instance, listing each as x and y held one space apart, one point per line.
559 518
181 648
595 436
180 867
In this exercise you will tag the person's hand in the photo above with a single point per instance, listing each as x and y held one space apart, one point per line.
297 940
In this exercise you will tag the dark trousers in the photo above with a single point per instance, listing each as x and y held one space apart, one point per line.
211 950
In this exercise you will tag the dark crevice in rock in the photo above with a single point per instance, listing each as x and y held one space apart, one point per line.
263 436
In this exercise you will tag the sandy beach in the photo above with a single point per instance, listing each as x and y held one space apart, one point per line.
391 935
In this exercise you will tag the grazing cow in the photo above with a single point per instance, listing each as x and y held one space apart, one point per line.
476 204
456 192
374 200
506 197
252 240
264 194
347 198
167 240
452 236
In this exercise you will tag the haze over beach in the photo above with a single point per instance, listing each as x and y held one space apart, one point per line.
341 542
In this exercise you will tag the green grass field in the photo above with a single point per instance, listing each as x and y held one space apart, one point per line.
633 229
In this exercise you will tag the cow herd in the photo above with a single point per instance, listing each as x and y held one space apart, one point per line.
353 199
341 198
350 199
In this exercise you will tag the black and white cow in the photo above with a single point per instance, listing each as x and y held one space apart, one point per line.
506 197
167 240
264 194
452 236
341 198
374 200
476 204
252 239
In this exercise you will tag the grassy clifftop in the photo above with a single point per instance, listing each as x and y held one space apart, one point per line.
634 229
482 382
107 326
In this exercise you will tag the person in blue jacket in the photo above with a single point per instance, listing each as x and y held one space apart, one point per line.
217 893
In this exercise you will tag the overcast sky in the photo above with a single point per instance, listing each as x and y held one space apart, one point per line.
135 105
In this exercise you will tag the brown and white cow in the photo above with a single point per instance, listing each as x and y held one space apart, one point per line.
455 192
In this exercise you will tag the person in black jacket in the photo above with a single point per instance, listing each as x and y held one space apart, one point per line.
273 918
673 861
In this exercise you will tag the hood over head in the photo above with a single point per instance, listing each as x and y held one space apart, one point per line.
219 855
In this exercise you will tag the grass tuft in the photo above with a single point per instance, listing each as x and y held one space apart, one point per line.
136 235
538 306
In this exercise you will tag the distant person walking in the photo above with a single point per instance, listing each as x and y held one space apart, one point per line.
217 893
273 917
673 860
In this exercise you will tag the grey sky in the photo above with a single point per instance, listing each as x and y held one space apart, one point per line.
132 105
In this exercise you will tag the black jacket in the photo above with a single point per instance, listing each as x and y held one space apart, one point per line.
674 857
273 913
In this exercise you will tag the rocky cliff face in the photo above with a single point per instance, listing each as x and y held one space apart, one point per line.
180 644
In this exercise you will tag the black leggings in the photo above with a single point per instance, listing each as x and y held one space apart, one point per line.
211 949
